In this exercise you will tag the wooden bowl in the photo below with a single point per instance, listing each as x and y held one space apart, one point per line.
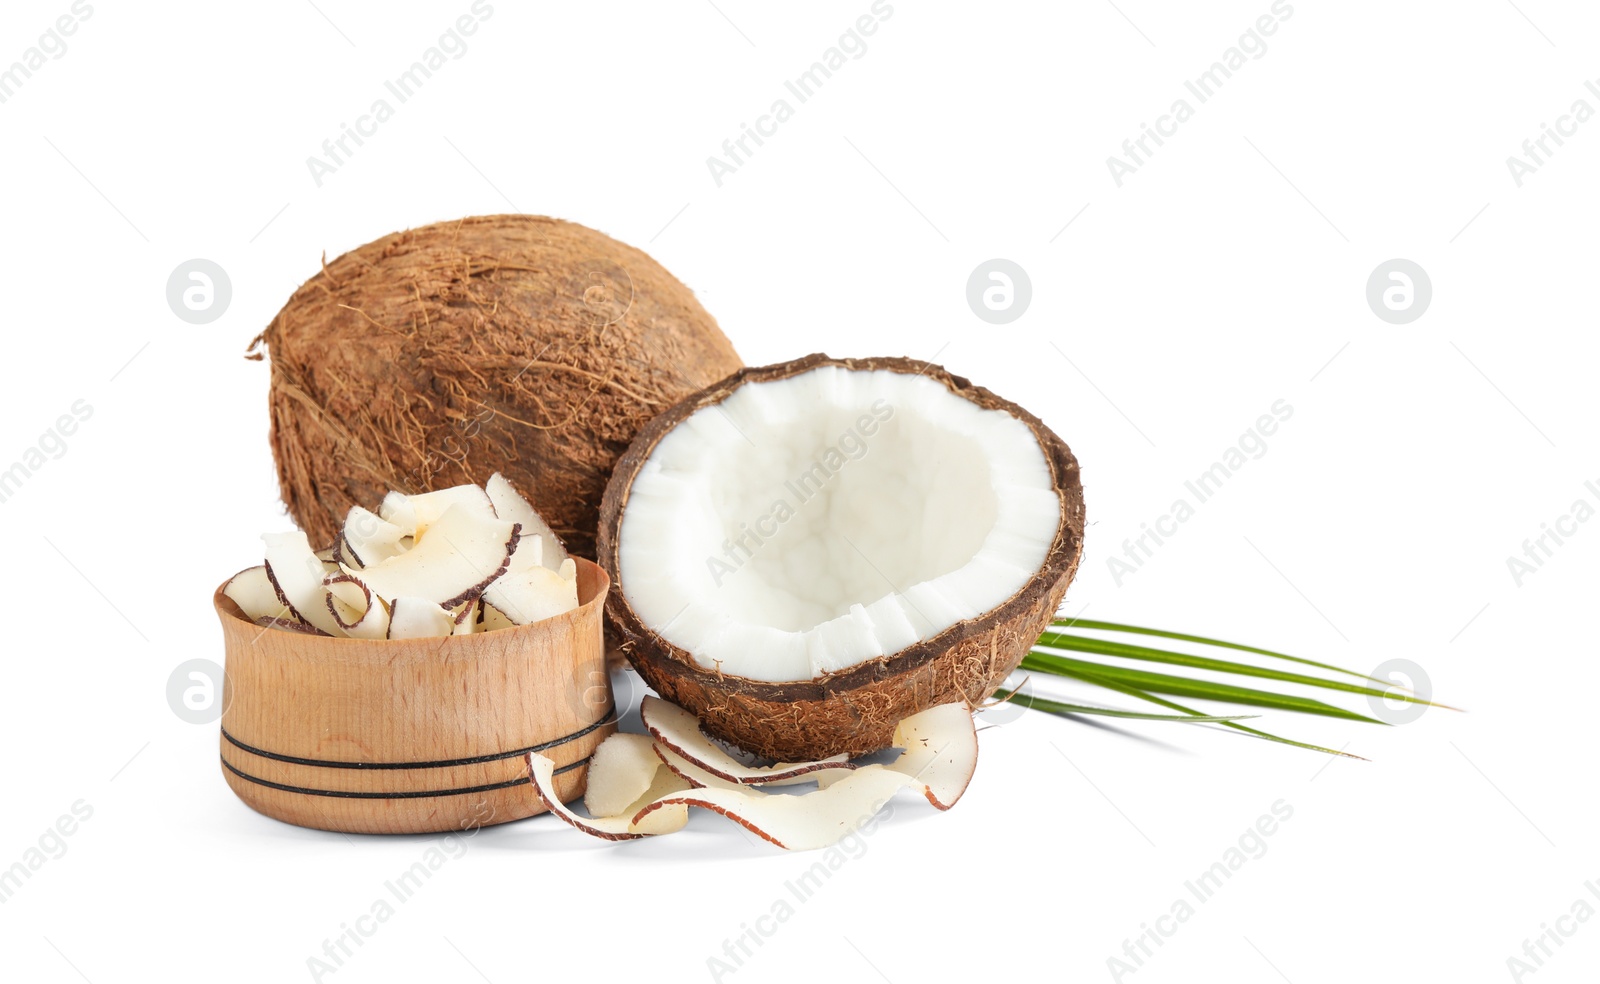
417 735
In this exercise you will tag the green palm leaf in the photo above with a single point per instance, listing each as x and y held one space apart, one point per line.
1152 698
1083 623
1145 685
1105 647
1064 708
1177 686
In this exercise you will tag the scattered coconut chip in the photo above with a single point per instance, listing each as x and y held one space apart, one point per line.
297 575
689 771
940 752
418 618
512 505
806 822
679 731
666 820
462 553
669 818
620 771
534 594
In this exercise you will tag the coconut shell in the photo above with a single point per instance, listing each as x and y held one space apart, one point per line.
513 343
854 711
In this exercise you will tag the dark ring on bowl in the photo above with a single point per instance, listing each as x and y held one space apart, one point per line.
414 794
609 717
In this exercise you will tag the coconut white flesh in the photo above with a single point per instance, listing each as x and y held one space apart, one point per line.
452 562
527 596
368 539
253 592
512 505
415 513
679 731
419 618
297 574
669 818
806 525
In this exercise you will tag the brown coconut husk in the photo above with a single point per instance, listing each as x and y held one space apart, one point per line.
855 710
514 343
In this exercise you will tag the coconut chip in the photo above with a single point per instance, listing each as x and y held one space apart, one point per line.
297 576
459 556
415 513
532 595
940 752
679 731
669 818
461 568
253 592
512 505
419 618
938 756
806 822
353 606
620 771
367 539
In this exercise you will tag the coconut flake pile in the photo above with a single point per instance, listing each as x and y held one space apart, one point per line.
806 525
644 785
457 561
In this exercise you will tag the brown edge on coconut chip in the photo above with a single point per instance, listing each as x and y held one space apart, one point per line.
343 554
944 770
676 730
346 578
942 740
740 709
471 592
632 824
288 625
542 771
476 592
796 823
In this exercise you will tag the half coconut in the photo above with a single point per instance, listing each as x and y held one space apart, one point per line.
808 553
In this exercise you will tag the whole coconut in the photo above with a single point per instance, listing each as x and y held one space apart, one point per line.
514 343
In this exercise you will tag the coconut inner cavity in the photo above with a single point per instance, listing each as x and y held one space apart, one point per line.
805 525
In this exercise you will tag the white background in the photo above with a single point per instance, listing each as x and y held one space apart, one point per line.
1226 274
